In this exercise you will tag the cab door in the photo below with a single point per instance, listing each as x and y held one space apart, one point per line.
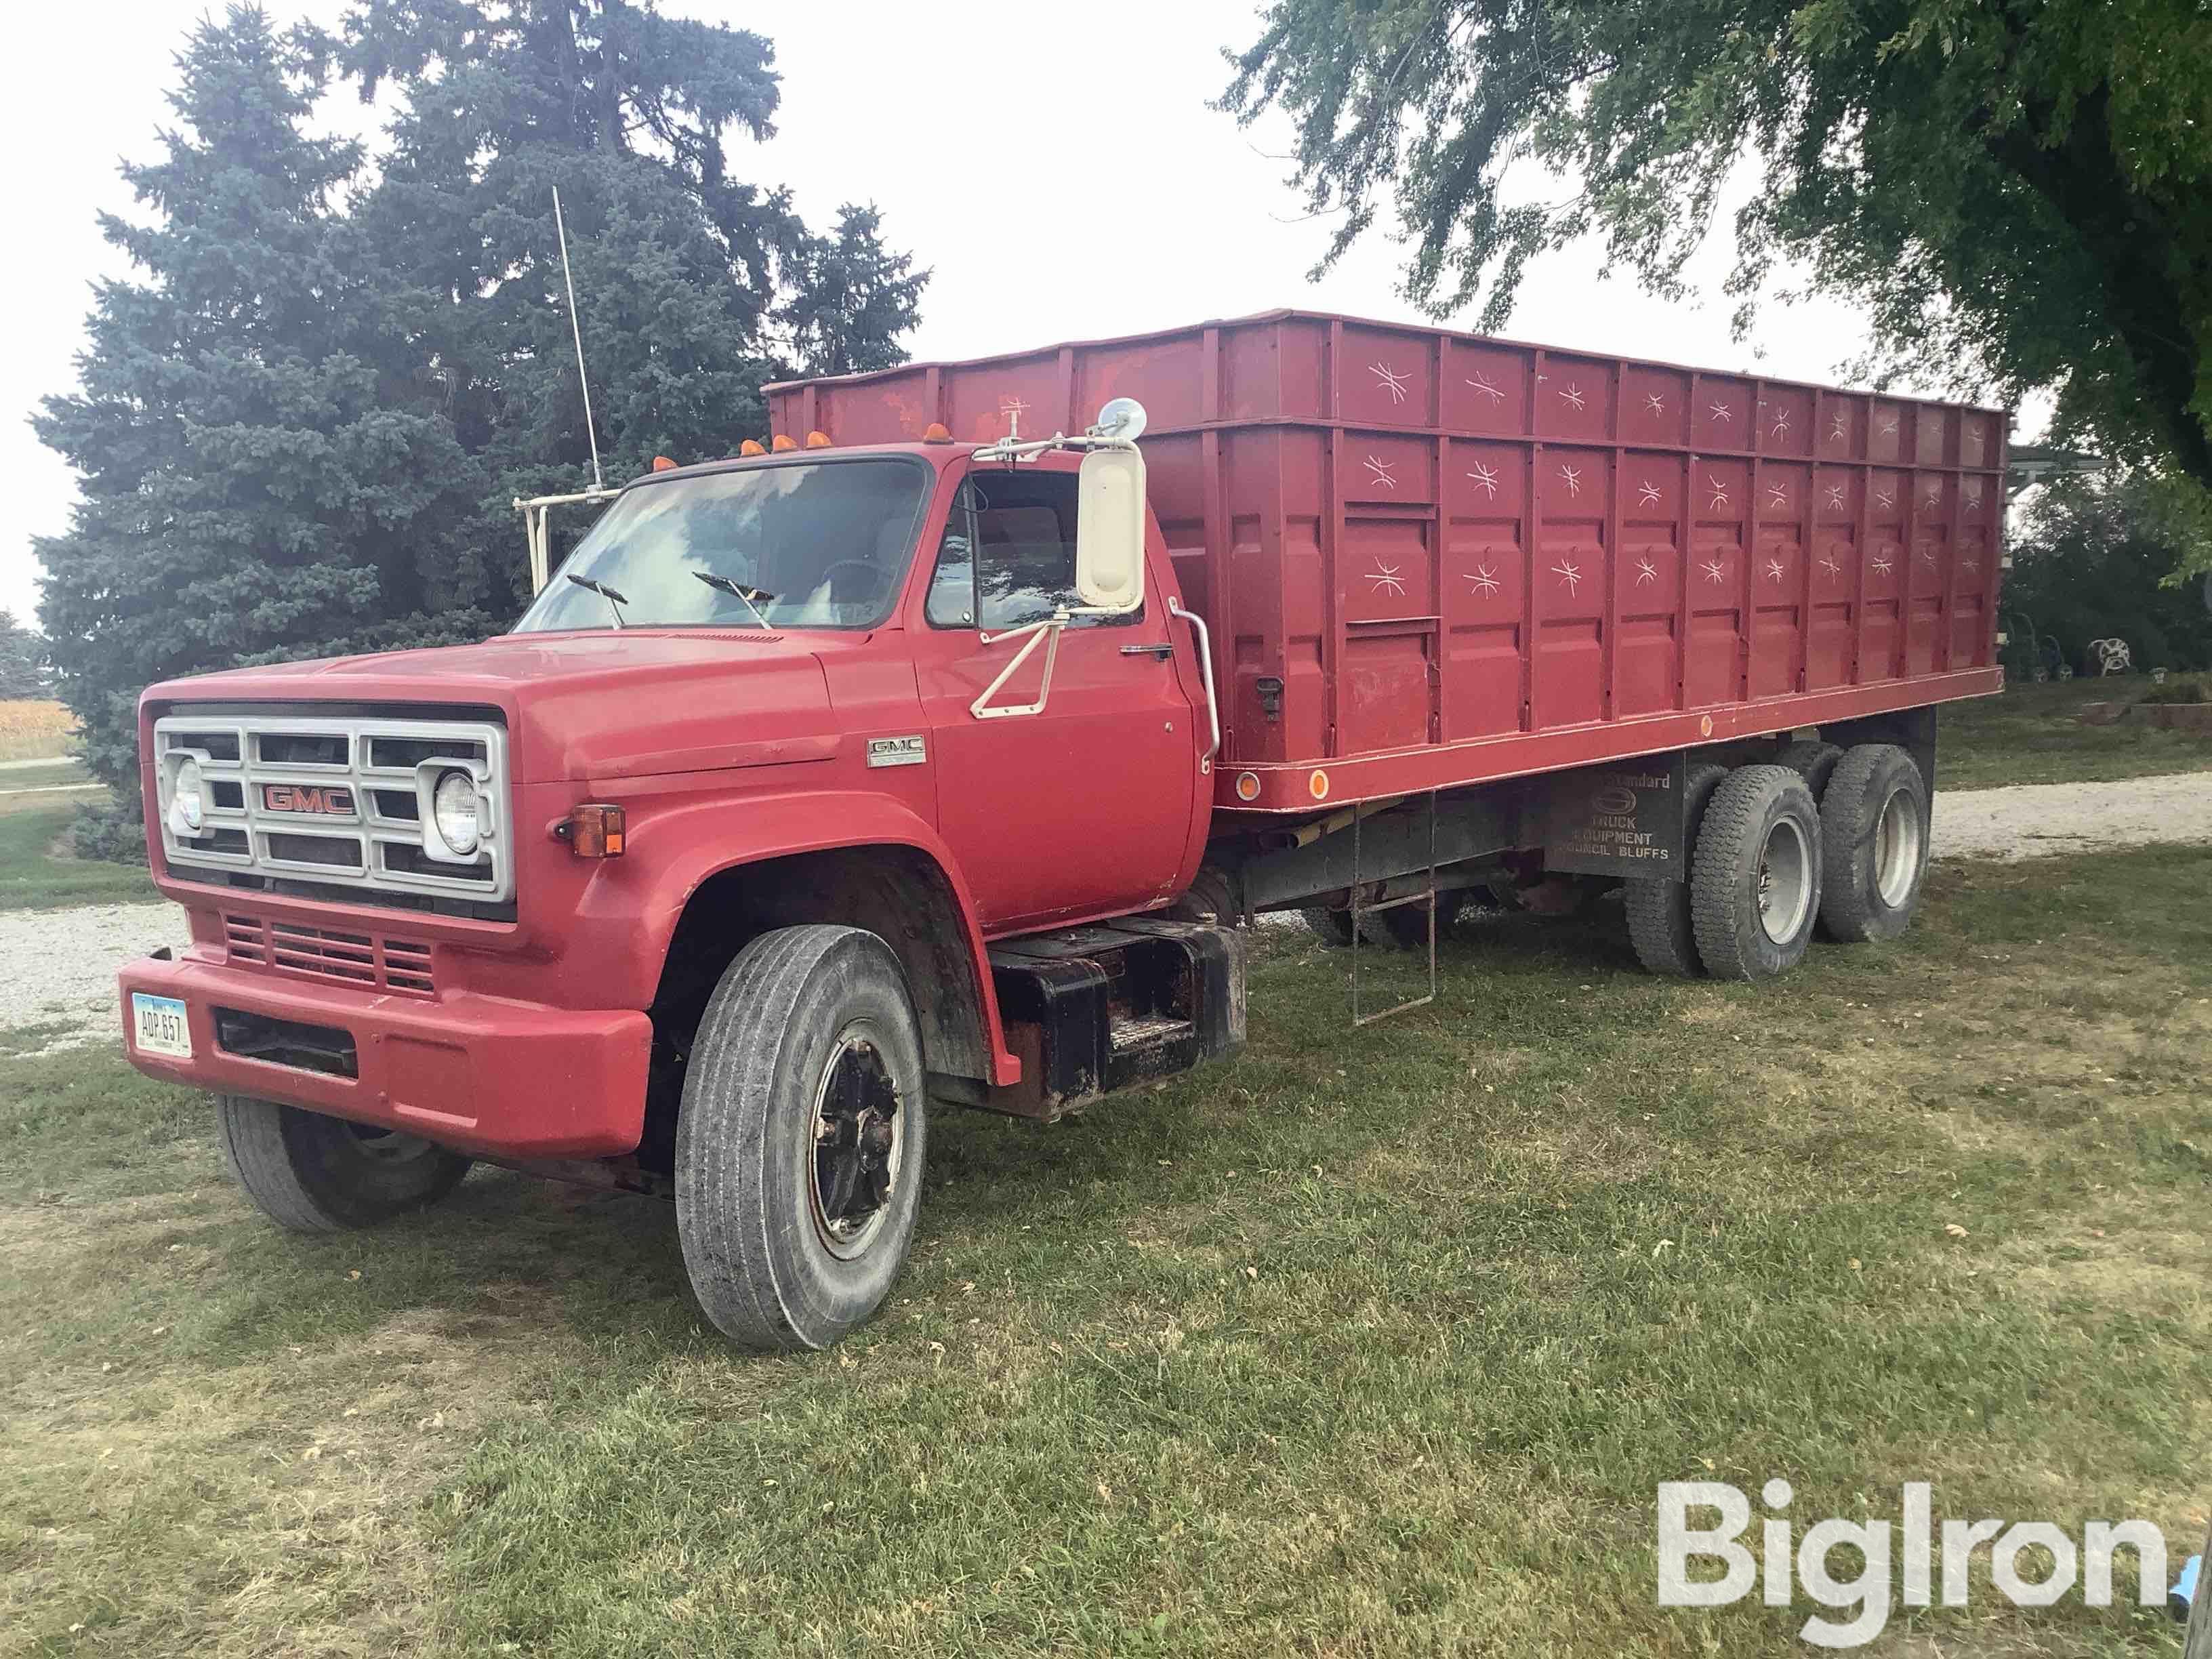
1084 807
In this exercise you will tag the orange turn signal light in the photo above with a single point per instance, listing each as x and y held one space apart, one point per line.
817 441
936 433
750 446
597 830
781 442
662 464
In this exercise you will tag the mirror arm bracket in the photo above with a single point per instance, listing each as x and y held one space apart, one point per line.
1054 625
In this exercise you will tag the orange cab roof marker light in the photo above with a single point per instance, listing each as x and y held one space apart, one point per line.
663 463
817 441
751 446
936 433
781 442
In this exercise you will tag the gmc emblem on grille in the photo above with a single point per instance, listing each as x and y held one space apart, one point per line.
306 798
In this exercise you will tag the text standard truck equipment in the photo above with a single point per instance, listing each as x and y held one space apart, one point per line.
922 760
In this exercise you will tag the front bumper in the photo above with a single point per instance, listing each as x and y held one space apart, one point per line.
480 1074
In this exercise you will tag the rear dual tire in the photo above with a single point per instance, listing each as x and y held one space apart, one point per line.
1659 922
1402 927
1873 830
1755 878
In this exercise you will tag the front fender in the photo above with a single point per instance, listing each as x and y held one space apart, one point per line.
673 850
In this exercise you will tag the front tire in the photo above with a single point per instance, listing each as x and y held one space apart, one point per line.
316 1173
1755 882
800 1142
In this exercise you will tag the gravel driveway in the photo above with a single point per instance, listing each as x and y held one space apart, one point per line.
62 977
67 978
2034 820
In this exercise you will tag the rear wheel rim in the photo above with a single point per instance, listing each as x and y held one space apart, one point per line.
858 1144
1783 881
1897 841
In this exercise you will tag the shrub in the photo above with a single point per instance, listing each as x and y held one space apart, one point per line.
2181 687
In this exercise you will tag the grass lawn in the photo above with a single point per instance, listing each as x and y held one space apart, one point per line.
2029 735
17 780
1370 1342
33 878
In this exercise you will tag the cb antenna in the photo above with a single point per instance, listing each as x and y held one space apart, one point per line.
576 327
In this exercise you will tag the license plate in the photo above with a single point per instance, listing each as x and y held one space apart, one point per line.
161 1027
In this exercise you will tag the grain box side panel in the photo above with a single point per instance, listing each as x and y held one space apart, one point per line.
1777 585
1831 628
1276 504
1385 596
1571 577
1715 639
1881 638
1483 585
1648 584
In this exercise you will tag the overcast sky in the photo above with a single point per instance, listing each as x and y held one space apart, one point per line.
1056 167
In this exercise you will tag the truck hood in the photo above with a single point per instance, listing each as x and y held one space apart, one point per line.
601 704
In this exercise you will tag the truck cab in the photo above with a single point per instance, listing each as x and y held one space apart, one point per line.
707 877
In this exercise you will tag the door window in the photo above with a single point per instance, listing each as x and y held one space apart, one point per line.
1008 555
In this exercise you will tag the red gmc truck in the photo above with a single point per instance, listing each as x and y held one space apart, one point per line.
922 759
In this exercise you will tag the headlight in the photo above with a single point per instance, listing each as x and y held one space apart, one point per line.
453 811
187 803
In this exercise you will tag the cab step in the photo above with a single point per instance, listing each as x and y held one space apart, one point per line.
1092 1010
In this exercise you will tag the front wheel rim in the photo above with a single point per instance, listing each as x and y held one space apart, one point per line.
1897 847
858 1144
389 1146
1783 881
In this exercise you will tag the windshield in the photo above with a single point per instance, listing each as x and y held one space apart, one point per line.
810 545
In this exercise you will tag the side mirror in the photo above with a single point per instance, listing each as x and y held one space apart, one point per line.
1110 531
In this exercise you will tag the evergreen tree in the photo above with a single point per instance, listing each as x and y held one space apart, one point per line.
693 288
301 423
256 477
22 661
854 299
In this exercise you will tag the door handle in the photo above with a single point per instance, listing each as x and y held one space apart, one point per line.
1160 652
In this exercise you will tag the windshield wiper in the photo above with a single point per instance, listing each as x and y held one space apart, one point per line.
615 601
723 584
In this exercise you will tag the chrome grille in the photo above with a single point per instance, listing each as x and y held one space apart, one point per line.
369 960
334 799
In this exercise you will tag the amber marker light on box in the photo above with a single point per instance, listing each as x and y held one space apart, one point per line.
596 830
1248 785
1318 783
